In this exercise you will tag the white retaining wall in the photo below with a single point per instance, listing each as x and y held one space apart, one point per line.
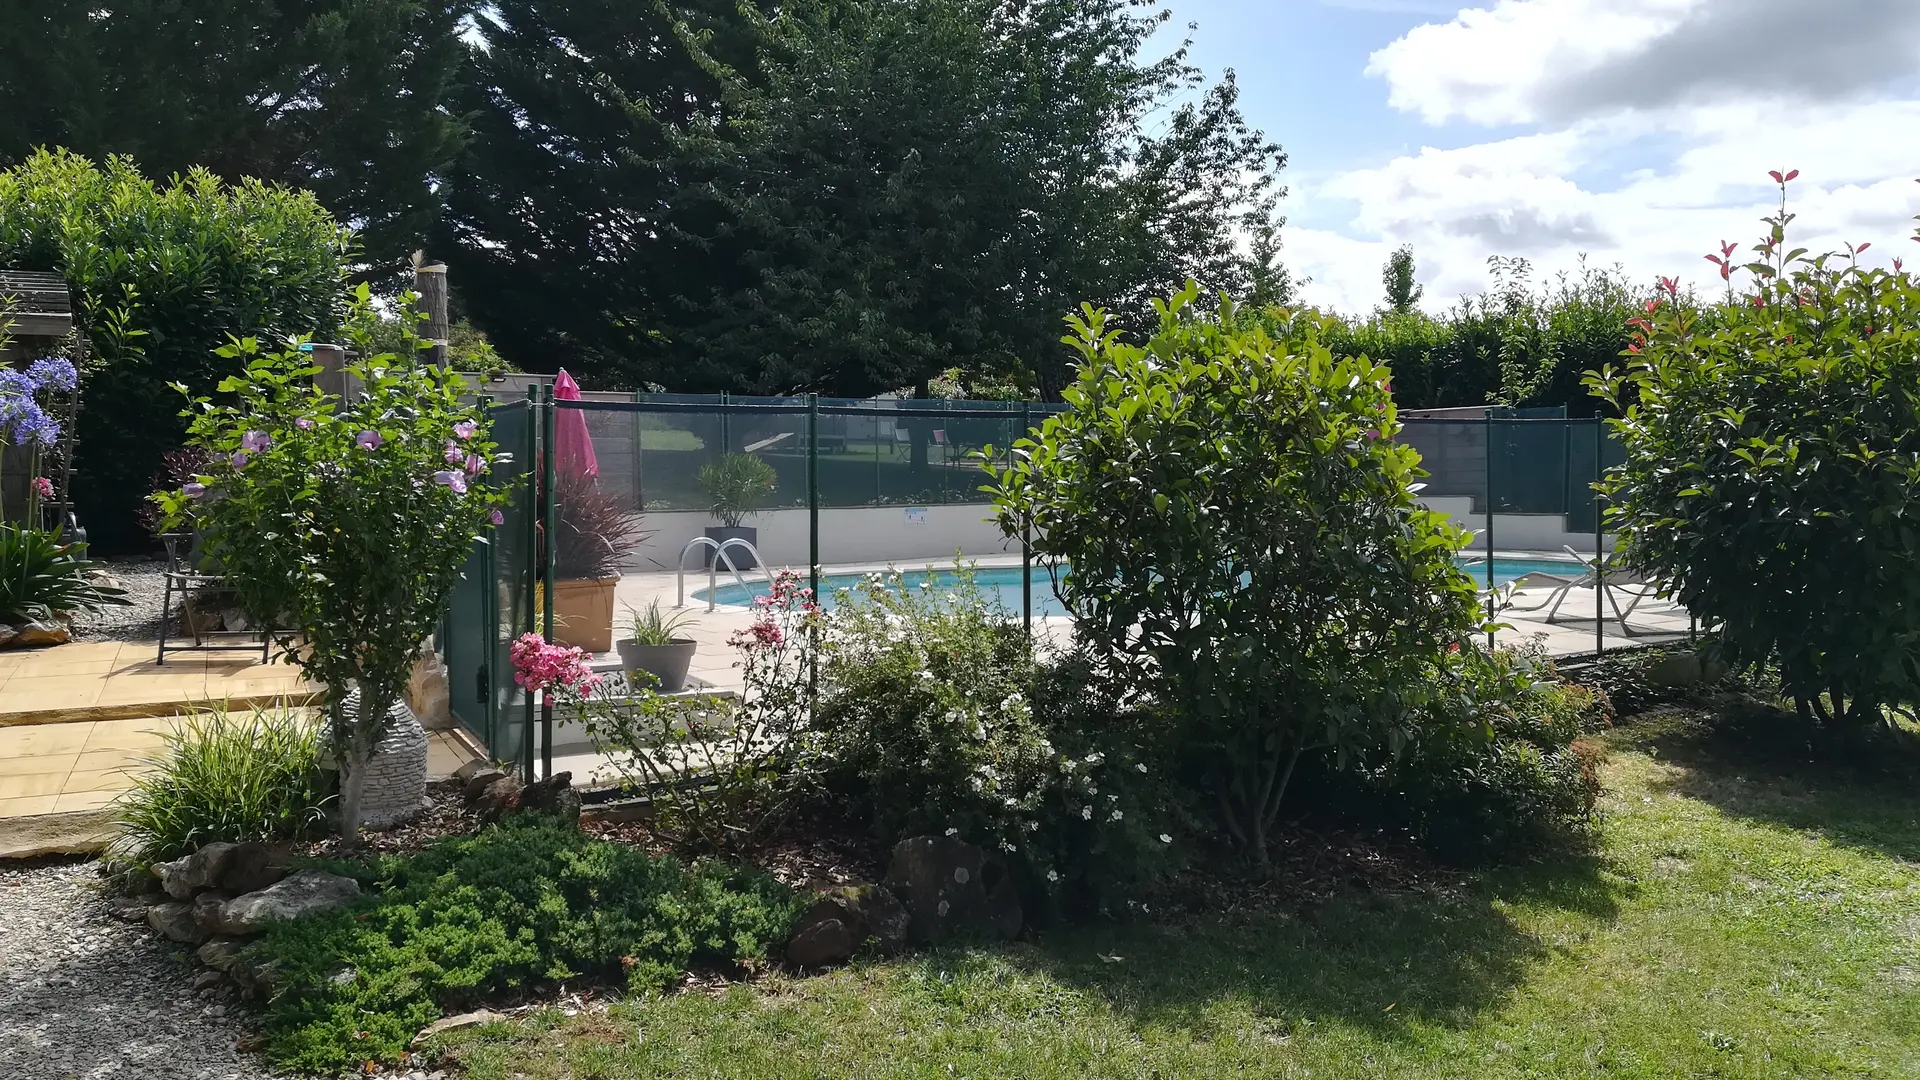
876 534
902 534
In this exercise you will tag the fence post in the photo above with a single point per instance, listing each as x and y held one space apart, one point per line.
1599 556
1488 417
813 495
550 515
530 444
1026 532
430 281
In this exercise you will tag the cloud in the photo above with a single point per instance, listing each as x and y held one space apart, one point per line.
1557 61
1590 190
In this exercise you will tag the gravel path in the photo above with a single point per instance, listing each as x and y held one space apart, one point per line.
83 995
142 578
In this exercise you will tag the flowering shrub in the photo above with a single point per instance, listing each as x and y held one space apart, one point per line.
351 517
719 772
1772 466
927 723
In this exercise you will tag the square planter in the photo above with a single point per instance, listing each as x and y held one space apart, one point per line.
583 613
742 559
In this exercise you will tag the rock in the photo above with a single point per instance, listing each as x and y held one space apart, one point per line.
206 909
185 876
208 979
427 692
886 918
474 768
553 796
500 795
448 1023
823 937
220 953
249 867
260 978
306 893
476 783
950 889
8 634
174 920
31 634
129 908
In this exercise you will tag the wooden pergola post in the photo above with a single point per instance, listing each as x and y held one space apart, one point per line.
430 281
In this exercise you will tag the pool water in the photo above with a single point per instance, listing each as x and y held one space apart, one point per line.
1003 582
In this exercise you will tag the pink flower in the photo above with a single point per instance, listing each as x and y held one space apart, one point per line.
476 464
255 441
368 440
456 481
305 423
465 429
452 453
538 665
240 459
43 487
496 516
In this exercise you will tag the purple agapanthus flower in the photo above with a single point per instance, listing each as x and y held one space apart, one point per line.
465 429
368 440
53 373
255 441
16 384
453 454
454 480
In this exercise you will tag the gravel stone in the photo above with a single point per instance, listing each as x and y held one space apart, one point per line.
84 994
145 582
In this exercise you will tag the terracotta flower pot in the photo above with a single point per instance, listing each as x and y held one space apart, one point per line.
667 663
583 613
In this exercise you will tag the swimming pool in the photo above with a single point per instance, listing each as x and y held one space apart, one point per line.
1003 582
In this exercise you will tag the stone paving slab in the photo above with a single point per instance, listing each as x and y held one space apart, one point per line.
107 680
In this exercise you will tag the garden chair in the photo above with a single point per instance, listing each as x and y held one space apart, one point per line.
1597 572
184 577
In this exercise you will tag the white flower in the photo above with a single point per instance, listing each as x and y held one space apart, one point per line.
1095 759
1142 767
956 832
1113 798
926 584
1053 875
1007 845
1165 839
1086 813
1117 815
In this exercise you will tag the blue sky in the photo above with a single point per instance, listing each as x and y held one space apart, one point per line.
1630 131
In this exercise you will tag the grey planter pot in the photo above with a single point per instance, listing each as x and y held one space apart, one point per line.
668 663
723 533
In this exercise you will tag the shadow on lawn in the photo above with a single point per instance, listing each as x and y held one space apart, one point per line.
1369 959
1764 764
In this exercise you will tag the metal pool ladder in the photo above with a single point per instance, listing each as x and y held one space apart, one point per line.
720 548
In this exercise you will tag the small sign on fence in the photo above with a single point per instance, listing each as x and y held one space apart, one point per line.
916 515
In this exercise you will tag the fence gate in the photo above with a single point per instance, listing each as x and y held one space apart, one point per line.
493 603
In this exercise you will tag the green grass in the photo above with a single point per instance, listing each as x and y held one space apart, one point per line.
1733 924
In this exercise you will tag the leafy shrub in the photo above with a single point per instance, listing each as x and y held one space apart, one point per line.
40 577
594 531
738 484
738 749
160 276
517 905
226 776
1772 458
1505 766
927 723
1245 548
356 514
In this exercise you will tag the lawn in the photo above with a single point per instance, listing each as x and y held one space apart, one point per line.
1733 923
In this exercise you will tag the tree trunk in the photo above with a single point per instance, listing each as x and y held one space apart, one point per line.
353 780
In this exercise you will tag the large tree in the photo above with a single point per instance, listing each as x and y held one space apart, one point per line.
915 186
557 232
347 98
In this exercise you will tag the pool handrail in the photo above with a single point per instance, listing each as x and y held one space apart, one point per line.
720 548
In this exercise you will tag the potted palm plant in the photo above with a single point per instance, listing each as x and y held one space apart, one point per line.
738 484
655 644
593 533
